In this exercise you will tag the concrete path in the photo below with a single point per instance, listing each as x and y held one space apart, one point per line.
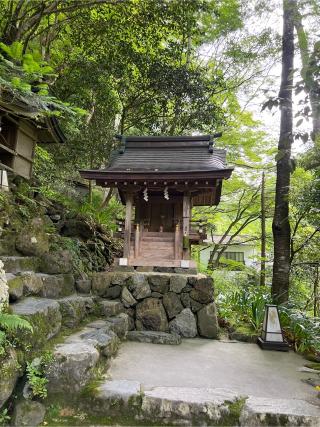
200 363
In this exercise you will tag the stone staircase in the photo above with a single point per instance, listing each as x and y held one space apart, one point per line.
34 294
55 305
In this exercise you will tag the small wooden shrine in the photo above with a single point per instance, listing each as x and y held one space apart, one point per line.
159 179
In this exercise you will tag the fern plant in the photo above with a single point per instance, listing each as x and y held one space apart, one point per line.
10 323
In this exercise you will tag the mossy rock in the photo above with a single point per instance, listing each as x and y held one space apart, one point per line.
28 413
33 239
9 373
56 262
44 316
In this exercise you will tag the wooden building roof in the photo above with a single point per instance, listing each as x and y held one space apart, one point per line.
143 157
32 110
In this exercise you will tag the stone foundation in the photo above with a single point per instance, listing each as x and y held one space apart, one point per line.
182 304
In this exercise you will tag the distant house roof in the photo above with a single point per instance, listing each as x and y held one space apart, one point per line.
238 240
160 155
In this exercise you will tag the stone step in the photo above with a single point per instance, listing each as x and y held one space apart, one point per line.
29 283
154 337
72 367
118 324
75 308
110 308
45 317
262 411
16 264
200 406
75 360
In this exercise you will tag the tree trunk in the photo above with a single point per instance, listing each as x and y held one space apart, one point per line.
263 234
315 292
281 225
309 71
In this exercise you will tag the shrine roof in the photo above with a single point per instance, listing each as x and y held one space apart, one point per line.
165 154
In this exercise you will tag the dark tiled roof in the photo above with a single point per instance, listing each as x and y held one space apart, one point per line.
180 154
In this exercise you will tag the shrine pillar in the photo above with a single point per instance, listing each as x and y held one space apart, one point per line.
127 225
186 214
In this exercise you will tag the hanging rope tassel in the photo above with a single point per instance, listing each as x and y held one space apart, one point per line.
166 193
145 195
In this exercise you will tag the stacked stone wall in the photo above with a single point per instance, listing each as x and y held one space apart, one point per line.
166 302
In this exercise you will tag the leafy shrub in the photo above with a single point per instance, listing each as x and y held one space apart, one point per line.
4 417
36 375
303 331
244 305
9 323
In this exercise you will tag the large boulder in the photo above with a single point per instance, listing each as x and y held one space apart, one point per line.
119 277
73 227
16 264
33 239
9 373
187 301
75 308
208 322
113 292
100 283
172 304
154 337
138 286
184 324
110 308
45 317
56 286
127 298
106 341
118 324
83 286
159 283
26 283
72 367
203 290
178 282
56 262
151 315
15 285
28 413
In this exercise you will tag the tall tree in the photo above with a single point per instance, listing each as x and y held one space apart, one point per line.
306 22
281 224
263 233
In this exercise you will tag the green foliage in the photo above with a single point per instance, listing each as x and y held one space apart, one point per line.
12 322
4 417
9 324
105 216
36 374
244 305
25 74
302 330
